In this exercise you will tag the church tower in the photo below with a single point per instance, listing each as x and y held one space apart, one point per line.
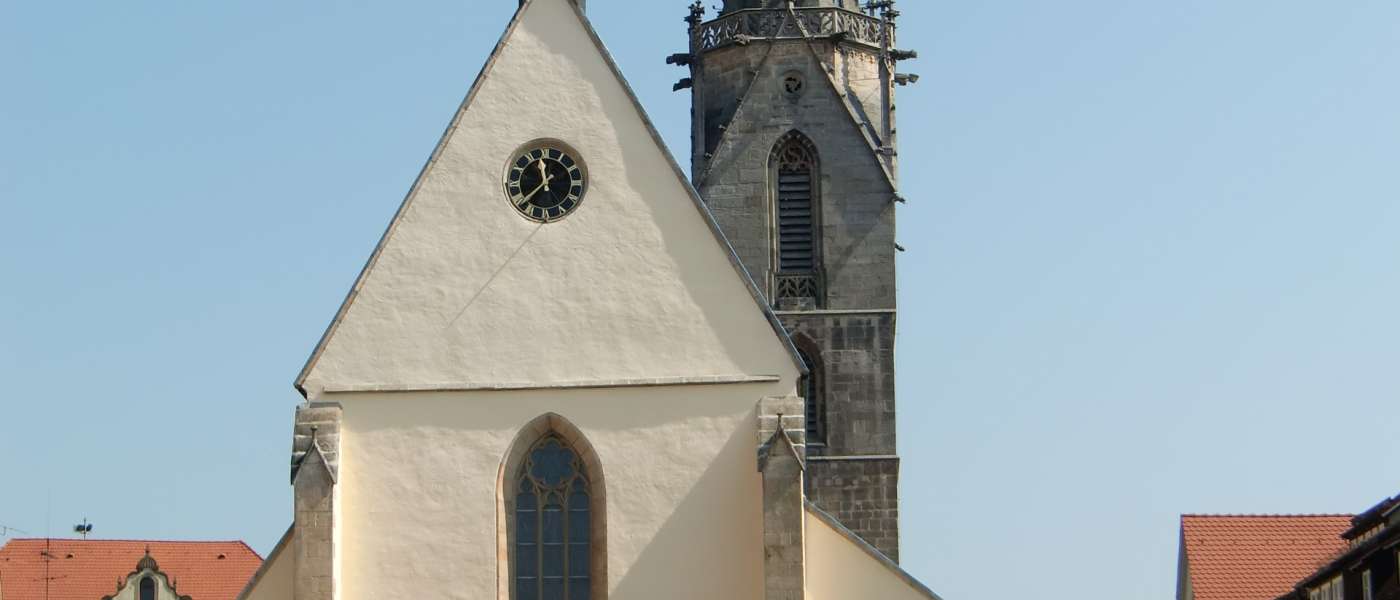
794 153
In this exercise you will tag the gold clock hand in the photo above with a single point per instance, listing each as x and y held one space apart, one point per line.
526 199
542 186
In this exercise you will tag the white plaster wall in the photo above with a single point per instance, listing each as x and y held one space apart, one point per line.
633 285
419 474
277 575
837 569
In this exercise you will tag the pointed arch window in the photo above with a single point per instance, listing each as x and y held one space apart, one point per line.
797 223
148 588
554 523
810 387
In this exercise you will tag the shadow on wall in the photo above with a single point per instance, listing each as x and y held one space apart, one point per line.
686 246
849 169
712 544
415 462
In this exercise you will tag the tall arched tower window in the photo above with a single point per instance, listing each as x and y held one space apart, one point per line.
553 525
797 258
148 588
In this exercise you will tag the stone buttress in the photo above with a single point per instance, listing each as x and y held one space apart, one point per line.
315 470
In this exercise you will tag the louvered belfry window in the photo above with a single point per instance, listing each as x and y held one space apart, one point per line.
797 235
797 248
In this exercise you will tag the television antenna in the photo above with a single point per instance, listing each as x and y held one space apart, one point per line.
6 530
83 528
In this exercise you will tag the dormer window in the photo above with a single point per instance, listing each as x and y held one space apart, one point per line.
148 588
1332 590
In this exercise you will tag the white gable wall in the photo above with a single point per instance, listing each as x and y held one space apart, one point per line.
419 478
471 321
841 568
275 580
633 285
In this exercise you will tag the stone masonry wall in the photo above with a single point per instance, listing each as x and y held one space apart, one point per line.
315 464
781 464
857 216
863 494
856 356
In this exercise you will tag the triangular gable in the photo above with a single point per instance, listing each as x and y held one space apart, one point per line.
638 285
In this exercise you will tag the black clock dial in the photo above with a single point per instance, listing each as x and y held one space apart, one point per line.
545 183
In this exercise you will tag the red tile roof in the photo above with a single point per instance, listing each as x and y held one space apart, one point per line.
1257 557
89 569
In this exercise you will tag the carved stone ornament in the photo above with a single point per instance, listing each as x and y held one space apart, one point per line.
796 23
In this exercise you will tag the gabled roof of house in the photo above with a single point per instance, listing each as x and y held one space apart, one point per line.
91 569
1373 530
1257 557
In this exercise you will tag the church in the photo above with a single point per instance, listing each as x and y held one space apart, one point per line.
571 370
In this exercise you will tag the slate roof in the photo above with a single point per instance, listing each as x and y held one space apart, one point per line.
90 569
1257 557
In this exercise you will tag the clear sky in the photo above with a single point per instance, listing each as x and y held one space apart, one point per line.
1153 259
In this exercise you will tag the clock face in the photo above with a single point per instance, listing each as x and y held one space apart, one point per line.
545 182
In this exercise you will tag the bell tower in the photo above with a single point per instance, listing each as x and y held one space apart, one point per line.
794 151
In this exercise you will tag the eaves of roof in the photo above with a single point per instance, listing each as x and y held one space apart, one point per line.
1387 538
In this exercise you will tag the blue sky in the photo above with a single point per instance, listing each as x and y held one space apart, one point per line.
1153 259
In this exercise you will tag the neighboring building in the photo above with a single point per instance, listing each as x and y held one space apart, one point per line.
1367 567
37 569
555 379
1230 557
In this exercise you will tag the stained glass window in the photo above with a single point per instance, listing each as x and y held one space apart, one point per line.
552 524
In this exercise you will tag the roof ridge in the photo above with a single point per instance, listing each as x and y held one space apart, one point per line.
250 549
132 541
1267 515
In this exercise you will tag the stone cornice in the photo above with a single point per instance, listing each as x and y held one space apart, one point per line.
740 26
564 385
